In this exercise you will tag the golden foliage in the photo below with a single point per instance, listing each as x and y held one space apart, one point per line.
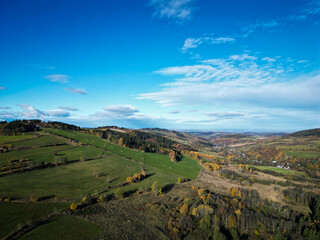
184 209
232 221
212 166
73 206
202 210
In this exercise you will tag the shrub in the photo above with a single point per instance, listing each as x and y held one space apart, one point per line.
100 199
184 209
156 188
34 199
73 206
119 193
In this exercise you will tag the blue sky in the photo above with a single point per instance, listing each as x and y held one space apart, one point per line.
177 64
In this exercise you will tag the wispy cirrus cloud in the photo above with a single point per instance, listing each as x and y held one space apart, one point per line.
2 88
61 78
68 108
174 112
190 43
5 107
178 10
261 26
310 9
76 90
239 80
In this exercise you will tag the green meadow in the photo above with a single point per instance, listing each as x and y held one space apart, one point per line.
16 214
64 227
9 139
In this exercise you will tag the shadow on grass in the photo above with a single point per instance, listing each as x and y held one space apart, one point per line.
167 188
129 193
46 198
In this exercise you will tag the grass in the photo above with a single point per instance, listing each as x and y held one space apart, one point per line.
40 141
187 168
64 227
27 153
8 139
303 154
72 154
71 181
275 169
13 214
279 170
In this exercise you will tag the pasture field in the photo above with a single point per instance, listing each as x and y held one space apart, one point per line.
72 154
71 181
187 167
60 185
14 214
8 139
278 170
43 140
64 227
303 154
33 152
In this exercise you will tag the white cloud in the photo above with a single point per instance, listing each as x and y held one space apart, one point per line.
312 8
195 42
57 113
61 78
2 88
76 90
261 26
240 80
68 108
174 112
5 107
5 115
121 111
179 10
268 59
29 111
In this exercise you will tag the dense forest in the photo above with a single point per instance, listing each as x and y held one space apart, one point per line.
306 133
28 126
144 141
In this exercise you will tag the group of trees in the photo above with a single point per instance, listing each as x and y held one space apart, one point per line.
137 177
27 126
243 215
18 127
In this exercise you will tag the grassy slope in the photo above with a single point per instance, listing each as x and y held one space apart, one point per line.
14 214
73 153
40 141
26 153
187 168
64 227
72 181
8 139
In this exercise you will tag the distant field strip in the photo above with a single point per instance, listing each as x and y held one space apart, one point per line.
8 139
43 140
26 153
